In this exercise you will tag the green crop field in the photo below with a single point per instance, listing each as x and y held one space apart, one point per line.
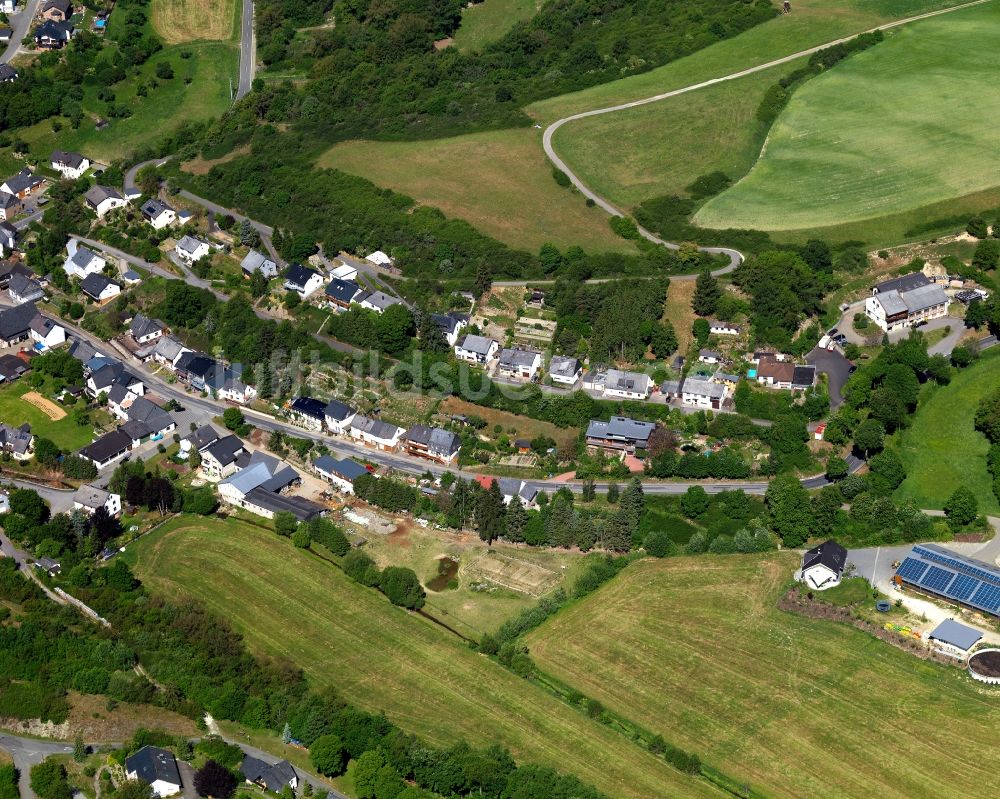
64 433
289 604
211 68
695 649
942 450
487 21
498 181
888 130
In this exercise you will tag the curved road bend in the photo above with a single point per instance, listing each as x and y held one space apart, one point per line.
735 257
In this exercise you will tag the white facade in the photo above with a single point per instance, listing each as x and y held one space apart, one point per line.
312 285
190 249
819 577
71 172
109 204
82 261
52 336
477 356
627 385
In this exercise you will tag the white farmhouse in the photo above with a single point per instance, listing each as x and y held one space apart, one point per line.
822 566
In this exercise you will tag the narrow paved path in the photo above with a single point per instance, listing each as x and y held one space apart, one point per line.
735 257
248 51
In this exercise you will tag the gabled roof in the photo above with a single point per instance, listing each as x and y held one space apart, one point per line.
62 5
480 345
7 71
145 410
436 439
309 406
82 350
299 275
25 179
24 287
196 363
107 446
563 365
142 325
374 427
342 290
153 207
627 381
94 284
337 410
95 195
829 554
703 388
958 635
50 29
82 256
16 321
272 777
923 297
448 324
380 300
225 449
72 160
190 244
152 764
15 439
42 325
620 427
518 357
254 260
91 496
167 347
344 467
203 437
903 283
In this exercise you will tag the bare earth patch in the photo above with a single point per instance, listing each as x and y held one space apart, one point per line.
46 406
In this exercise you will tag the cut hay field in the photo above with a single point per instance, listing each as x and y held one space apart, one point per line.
695 649
289 604
498 181
177 21
888 130
489 20
941 450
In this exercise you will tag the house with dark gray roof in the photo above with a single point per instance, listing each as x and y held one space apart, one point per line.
194 368
619 432
520 364
69 165
158 213
271 777
340 293
302 280
102 199
82 261
476 349
219 459
99 288
254 261
11 367
905 301
156 766
52 35
108 448
451 325
24 289
308 412
338 417
565 369
15 323
340 472
823 565
22 184
16 441
375 432
9 268
143 329
432 443
261 487
7 73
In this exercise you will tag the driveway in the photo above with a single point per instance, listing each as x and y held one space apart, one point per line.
836 368
28 752
19 24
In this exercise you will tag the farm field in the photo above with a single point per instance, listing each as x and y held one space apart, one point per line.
695 649
289 604
825 162
171 103
64 432
941 450
487 21
498 181
178 21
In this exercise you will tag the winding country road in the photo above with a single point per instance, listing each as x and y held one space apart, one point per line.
735 257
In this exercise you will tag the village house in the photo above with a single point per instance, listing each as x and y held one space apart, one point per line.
24 289
22 184
308 412
190 249
53 35
431 443
89 498
7 73
273 778
340 473
450 326
143 329
99 288
905 301
719 328
47 333
11 368
157 213
302 280
155 766
260 487
375 433
565 370
10 204
627 385
194 368
784 374
57 10
102 199
16 441
701 393
168 350
220 458
476 349
511 487
15 323
619 433
341 293
254 261
519 364
10 268
823 565
82 261
376 301
338 417
108 448
709 356
70 165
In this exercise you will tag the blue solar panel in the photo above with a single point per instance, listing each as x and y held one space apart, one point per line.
937 579
964 567
963 587
912 569
987 597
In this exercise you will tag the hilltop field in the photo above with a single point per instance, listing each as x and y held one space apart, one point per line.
695 649
290 604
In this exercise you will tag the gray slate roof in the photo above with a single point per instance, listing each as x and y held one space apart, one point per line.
951 632
16 321
478 344
517 357
436 439
620 427
374 427
152 763
95 195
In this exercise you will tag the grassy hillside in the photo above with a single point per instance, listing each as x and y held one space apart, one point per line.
289 604
487 21
498 181
695 649
868 138
942 450
188 20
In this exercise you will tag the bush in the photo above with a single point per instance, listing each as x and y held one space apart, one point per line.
402 587
328 755
561 178
361 568
658 544
301 538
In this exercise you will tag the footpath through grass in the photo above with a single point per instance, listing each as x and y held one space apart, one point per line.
888 130
695 649
291 605
941 450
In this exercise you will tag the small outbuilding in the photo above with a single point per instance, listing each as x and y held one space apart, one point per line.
954 639
823 565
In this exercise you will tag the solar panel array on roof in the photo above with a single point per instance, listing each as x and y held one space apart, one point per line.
953 576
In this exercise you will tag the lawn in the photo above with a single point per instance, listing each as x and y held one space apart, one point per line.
64 433
695 649
941 450
498 181
211 68
866 139
512 423
487 21
178 21
289 604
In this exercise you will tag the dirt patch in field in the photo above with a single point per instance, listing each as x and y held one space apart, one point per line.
46 406
89 716
513 573
201 166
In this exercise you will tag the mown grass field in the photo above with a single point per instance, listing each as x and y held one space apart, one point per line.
487 21
178 21
694 649
498 181
289 604
65 433
210 67
888 130
942 450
